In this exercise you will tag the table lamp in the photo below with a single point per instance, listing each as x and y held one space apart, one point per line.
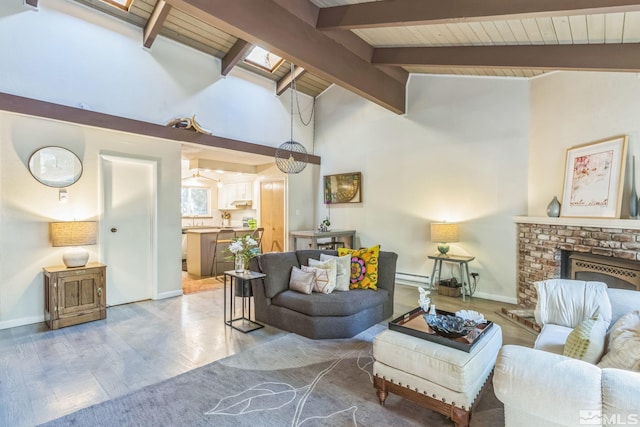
74 234
444 233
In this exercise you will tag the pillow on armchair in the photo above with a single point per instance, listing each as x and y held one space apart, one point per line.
586 341
624 344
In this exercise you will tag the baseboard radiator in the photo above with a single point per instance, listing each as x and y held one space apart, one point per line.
410 279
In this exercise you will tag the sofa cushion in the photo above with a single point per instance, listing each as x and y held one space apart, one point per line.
364 266
586 341
343 270
302 281
330 269
552 338
568 302
277 266
334 304
624 344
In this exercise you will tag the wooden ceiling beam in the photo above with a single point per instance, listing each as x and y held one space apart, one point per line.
582 57
267 24
285 82
49 110
155 22
236 54
423 12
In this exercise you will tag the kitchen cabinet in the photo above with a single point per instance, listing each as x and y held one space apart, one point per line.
74 295
235 195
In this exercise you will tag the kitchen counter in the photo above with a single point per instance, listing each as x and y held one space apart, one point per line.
201 230
200 250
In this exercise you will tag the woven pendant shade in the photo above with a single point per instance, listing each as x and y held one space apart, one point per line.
291 157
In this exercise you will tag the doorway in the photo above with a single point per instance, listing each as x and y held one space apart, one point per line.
128 227
272 215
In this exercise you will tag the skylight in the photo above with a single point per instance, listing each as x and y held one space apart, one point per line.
120 4
263 59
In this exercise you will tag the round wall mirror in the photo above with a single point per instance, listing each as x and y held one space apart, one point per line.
55 166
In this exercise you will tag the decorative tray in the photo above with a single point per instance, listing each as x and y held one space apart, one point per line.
412 323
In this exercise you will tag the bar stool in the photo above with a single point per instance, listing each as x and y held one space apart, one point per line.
221 242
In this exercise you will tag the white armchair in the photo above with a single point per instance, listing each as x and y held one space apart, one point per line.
563 305
540 388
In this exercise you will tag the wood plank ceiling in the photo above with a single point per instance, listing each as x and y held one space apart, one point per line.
370 47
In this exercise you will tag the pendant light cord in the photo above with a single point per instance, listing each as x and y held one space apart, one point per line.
294 92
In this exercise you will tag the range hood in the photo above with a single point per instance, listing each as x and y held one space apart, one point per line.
241 202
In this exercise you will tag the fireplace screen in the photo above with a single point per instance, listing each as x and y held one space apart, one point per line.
615 272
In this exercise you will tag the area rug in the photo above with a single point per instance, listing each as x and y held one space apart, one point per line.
290 381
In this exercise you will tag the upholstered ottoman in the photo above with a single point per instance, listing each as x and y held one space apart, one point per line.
441 378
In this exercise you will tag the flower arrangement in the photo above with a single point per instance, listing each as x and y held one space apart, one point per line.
324 225
243 249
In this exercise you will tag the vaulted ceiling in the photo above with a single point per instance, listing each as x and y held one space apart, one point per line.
370 47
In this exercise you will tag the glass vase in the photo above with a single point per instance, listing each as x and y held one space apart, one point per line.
239 264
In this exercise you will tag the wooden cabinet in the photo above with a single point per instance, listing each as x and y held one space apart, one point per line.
74 295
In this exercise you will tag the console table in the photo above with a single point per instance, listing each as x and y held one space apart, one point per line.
242 288
463 260
314 236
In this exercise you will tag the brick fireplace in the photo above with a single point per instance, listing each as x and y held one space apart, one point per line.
543 244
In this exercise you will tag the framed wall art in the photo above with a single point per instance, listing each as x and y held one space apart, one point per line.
343 188
593 179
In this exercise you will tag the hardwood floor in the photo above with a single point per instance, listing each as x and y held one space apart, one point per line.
46 374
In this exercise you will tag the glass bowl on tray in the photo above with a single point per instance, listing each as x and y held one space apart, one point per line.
449 326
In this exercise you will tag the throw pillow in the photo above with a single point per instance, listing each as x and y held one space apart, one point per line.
301 281
332 268
343 266
624 344
321 282
364 267
586 341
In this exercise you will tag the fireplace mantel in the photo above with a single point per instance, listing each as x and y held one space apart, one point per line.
627 224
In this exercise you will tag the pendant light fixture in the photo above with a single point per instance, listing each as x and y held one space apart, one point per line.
291 156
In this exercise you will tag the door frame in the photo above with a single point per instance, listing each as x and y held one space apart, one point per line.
104 227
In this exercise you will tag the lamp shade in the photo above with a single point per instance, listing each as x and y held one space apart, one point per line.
444 232
74 233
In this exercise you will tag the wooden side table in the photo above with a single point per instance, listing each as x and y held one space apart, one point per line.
242 288
74 295
464 270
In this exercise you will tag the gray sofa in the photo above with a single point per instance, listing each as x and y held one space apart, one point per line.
317 316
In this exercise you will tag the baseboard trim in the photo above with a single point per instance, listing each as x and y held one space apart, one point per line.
21 322
170 294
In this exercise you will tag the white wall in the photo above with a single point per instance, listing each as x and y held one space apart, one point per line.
26 206
73 55
459 154
569 109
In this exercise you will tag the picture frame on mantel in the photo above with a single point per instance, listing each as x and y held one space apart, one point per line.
593 178
343 188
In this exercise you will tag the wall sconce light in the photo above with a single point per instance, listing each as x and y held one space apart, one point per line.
444 233
74 234
63 196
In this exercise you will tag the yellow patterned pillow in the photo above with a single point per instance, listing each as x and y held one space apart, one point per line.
364 267
586 341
